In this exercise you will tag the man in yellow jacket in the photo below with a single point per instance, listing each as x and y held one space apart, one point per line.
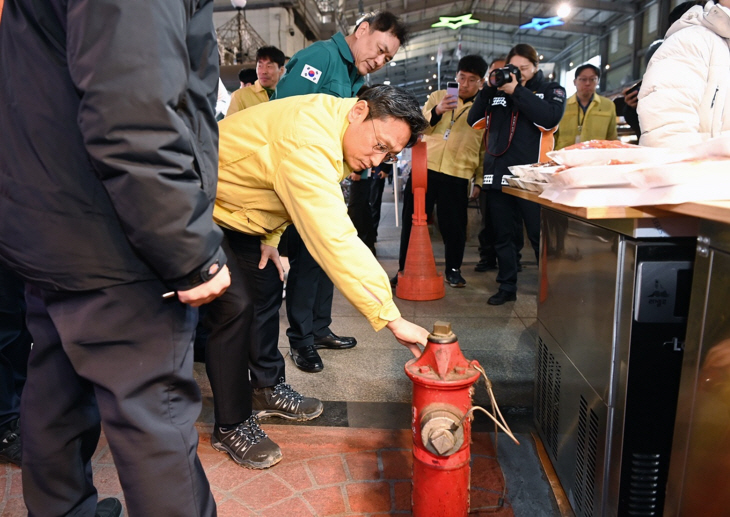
275 170
588 116
269 69
455 156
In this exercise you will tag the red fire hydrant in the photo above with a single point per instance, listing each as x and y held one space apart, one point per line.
442 380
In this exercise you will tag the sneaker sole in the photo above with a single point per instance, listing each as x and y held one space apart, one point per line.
247 464
266 413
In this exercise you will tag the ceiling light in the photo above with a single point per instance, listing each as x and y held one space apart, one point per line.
430 87
542 57
563 10
426 80
434 76
608 66
454 22
432 58
392 63
386 82
571 64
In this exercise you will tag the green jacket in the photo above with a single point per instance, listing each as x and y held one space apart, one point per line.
323 67
599 122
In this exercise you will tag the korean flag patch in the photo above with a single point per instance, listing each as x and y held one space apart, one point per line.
311 73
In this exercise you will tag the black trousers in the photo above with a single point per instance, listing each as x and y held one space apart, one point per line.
503 209
486 234
240 342
377 186
308 295
15 344
122 356
358 208
451 198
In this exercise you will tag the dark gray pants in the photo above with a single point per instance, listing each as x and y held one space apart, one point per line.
122 356
244 330
504 209
14 345
309 294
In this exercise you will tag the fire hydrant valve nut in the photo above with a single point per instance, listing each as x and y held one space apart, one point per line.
441 433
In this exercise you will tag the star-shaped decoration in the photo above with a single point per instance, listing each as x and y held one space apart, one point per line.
454 22
542 23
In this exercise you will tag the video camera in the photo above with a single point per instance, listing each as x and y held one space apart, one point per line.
502 76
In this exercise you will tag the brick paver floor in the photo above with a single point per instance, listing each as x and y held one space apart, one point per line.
326 471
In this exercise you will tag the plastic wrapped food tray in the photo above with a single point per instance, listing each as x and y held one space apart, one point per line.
621 156
594 176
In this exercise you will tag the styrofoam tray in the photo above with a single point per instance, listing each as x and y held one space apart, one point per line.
707 172
629 155
594 176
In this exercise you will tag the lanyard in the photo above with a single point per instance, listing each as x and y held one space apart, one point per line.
584 110
512 129
459 115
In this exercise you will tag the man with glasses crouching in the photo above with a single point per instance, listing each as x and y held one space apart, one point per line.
275 171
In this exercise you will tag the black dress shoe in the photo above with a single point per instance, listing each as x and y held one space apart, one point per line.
109 507
501 297
485 265
307 359
334 341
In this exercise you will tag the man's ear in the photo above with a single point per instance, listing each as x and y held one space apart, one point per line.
359 111
362 29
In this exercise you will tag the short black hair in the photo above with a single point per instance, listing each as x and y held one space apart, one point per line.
386 22
271 53
247 75
473 64
587 66
392 101
362 90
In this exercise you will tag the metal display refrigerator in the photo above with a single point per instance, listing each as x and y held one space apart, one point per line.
612 312
699 468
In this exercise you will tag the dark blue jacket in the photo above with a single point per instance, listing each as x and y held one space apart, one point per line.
535 110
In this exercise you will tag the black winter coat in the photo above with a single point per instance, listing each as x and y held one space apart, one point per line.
535 111
109 141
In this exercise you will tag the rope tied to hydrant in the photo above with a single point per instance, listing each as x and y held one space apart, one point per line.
497 417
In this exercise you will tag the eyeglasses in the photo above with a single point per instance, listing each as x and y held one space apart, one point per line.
382 148
468 80
593 79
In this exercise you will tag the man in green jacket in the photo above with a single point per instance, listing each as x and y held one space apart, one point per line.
335 67
588 116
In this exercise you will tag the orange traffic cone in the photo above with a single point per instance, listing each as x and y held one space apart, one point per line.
419 279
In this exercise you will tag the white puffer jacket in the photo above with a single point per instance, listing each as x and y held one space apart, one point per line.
686 86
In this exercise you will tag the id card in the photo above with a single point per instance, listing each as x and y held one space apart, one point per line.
447 133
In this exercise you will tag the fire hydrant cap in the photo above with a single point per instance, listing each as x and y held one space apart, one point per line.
442 362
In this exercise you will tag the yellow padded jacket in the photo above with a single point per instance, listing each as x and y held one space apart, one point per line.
246 97
282 162
599 122
462 154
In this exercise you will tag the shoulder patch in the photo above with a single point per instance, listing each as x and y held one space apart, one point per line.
311 73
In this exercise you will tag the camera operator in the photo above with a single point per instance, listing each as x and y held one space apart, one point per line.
520 110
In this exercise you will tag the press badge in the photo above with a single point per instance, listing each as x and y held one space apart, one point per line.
446 134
